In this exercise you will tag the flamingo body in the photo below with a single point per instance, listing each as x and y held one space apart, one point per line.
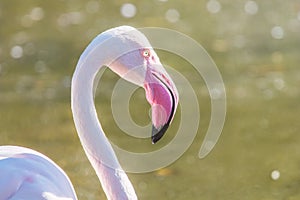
27 174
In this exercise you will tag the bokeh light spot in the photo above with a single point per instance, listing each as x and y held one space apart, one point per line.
279 83
251 7
37 14
71 18
277 32
213 6
128 10
172 15
16 52
275 175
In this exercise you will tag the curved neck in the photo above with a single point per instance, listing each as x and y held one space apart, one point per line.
98 149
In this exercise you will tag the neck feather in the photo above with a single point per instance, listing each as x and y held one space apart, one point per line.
98 149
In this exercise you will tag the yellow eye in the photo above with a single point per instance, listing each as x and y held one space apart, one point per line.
146 53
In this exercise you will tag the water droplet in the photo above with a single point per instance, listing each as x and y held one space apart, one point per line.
70 18
279 83
216 93
172 15
37 14
128 10
213 6
277 32
275 175
76 17
66 81
16 52
251 7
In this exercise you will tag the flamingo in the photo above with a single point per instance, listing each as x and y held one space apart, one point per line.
27 174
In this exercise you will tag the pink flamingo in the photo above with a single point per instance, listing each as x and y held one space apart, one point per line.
27 174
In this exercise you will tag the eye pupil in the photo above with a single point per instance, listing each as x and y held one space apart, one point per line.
146 53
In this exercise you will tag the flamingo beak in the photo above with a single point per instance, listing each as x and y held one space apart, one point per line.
162 95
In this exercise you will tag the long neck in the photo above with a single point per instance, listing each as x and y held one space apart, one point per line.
98 149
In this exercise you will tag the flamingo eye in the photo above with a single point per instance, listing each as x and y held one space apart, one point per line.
146 53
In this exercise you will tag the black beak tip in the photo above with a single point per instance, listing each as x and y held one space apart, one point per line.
158 133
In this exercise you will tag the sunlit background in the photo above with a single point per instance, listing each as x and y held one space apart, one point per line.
255 45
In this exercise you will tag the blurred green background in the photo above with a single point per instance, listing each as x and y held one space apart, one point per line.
255 45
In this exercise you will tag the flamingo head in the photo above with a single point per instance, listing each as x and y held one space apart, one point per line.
138 63
161 93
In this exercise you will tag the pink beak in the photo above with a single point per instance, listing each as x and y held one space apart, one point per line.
162 96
